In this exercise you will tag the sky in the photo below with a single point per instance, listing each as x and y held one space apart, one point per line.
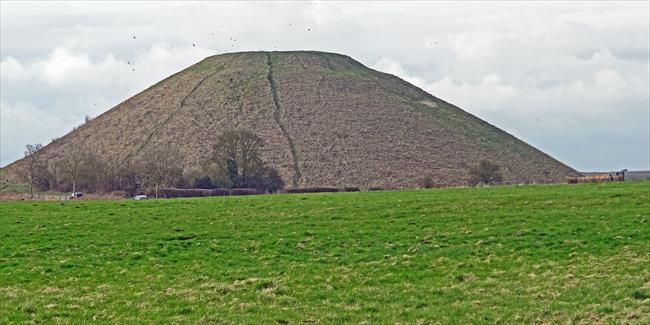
572 79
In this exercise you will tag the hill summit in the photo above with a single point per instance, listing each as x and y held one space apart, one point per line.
326 119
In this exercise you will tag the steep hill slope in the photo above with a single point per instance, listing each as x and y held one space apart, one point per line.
327 121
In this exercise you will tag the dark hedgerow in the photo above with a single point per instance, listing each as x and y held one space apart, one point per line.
195 192
204 182
312 190
244 191
179 192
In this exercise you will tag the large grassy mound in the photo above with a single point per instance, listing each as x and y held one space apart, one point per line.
326 120
527 254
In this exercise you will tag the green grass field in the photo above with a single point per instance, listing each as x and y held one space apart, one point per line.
524 254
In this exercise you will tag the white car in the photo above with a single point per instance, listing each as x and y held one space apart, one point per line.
140 197
76 195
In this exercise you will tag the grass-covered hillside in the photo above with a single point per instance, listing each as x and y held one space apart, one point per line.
526 254
325 119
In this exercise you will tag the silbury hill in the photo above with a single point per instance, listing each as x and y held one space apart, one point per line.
327 120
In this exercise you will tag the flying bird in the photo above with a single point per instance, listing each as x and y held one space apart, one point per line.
133 36
309 29
193 44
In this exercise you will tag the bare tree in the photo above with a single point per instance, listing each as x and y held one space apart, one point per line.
73 159
53 174
485 172
160 167
113 166
34 165
95 169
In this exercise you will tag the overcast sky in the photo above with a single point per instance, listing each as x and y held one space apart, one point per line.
571 79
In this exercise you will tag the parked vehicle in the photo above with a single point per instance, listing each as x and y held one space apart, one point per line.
75 195
140 197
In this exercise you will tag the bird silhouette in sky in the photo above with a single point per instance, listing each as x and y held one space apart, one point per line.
133 36
193 44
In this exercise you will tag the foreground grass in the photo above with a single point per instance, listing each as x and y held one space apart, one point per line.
524 254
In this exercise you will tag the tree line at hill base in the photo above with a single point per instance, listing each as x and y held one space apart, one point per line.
235 163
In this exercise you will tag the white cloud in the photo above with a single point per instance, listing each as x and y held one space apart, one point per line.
487 94
64 68
477 45
17 118
11 69
76 85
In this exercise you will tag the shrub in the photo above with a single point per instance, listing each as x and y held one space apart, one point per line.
265 180
427 182
485 172
204 182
